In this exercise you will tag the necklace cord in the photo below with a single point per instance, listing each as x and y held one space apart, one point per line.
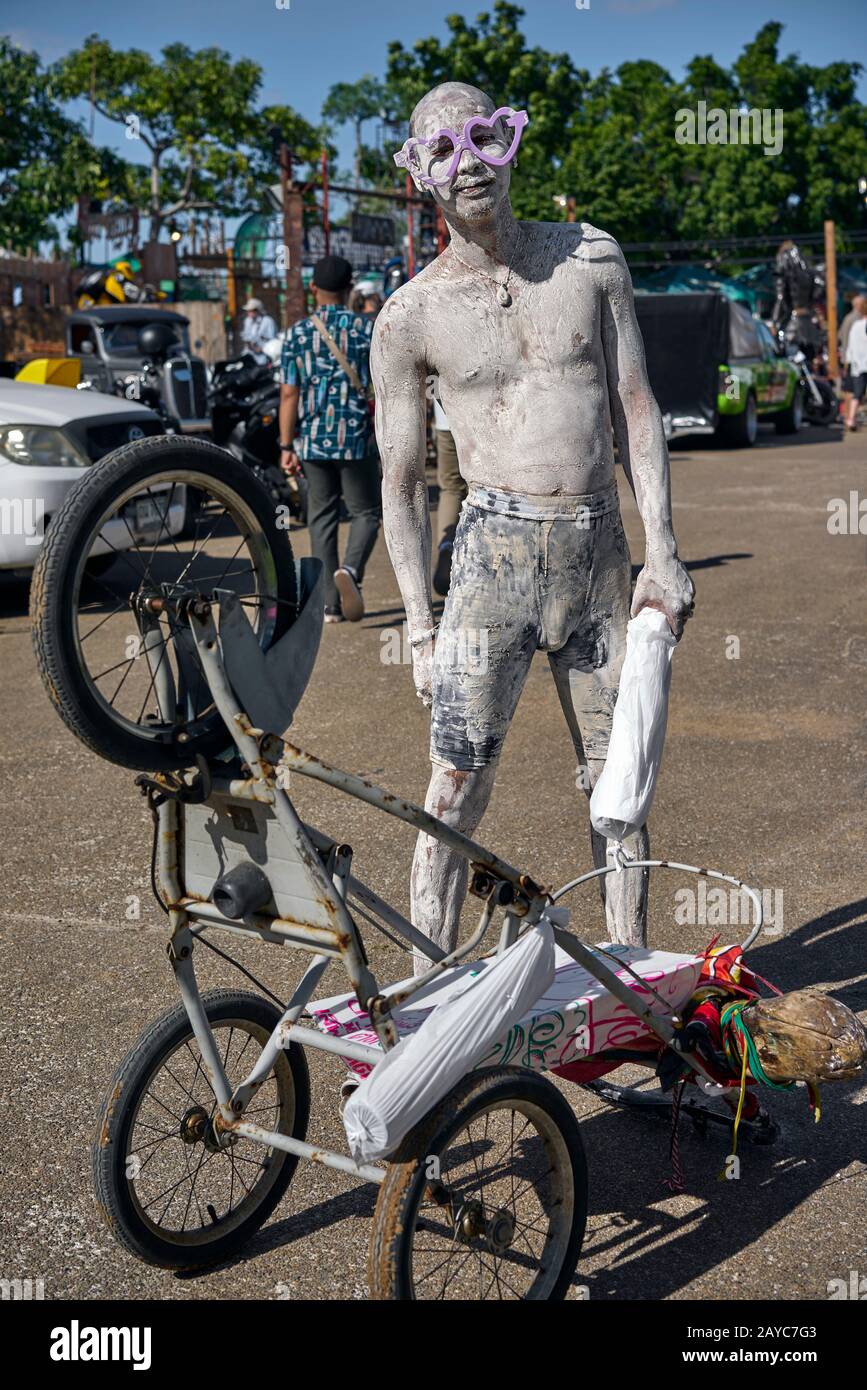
500 284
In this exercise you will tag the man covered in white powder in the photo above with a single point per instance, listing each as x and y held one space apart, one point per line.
529 330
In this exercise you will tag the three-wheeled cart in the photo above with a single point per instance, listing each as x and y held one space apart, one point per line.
185 659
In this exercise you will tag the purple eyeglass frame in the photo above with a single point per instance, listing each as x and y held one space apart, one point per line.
518 120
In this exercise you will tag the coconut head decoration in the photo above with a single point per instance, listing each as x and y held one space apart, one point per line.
807 1036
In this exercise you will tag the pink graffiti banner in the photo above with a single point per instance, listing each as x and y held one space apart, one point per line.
575 1019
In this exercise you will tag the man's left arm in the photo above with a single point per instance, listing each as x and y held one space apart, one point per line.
663 582
290 392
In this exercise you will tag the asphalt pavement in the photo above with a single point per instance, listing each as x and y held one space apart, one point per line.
765 777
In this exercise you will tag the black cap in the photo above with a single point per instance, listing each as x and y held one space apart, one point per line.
332 273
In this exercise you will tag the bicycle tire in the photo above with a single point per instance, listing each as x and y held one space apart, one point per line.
57 577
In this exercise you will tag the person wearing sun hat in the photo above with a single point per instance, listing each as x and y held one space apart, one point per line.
258 328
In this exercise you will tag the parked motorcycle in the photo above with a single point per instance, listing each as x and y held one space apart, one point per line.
114 285
245 402
820 401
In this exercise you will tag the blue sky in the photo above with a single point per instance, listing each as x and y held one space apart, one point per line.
306 47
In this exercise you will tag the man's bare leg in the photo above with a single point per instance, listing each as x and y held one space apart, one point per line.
439 875
587 698
624 894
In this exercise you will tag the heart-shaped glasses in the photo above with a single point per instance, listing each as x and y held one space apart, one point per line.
479 136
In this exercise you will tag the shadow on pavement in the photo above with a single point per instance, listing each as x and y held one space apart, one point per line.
649 1251
767 439
711 562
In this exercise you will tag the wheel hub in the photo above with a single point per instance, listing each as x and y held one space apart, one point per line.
194 1124
197 1128
470 1221
497 1231
500 1232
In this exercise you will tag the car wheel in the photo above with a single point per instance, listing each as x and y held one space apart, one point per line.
789 421
740 431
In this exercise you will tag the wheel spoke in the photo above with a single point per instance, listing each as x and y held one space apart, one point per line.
123 554
163 519
154 673
103 621
196 553
499 1226
205 1158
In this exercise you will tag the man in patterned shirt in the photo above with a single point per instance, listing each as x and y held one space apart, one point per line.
324 400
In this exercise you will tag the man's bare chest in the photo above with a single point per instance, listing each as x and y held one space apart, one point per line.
549 329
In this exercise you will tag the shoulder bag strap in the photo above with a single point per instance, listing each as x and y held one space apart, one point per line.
339 357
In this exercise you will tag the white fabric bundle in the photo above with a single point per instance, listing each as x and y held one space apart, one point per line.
425 1065
622 797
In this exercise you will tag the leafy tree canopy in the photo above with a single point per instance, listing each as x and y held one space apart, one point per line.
46 159
195 114
609 139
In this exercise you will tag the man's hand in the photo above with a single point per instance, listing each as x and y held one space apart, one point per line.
665 585
290 463
422 670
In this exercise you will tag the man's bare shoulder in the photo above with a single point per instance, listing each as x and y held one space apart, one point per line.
403 320
594 246
579 244
396 326
600 253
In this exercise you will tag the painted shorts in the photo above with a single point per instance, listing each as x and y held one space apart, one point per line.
530 574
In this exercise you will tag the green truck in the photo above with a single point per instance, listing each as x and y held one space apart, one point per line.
714 368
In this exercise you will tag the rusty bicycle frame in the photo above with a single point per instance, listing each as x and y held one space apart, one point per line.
324 865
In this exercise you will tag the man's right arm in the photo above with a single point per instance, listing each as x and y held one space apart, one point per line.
398 370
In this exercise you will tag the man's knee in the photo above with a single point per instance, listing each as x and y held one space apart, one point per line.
369 517
459 796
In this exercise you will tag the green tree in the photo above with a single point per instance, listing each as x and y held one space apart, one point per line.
493 54
46 159
355 103
609 139
195 113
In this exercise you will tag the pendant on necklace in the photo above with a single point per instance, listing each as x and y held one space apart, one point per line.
504 297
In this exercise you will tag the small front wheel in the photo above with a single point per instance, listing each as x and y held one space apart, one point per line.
173 1194
486 1198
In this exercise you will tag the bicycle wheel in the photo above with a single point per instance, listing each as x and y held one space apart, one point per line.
485 1198
171 1196
153 525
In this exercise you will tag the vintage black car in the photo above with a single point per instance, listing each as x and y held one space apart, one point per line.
714 369
118 358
